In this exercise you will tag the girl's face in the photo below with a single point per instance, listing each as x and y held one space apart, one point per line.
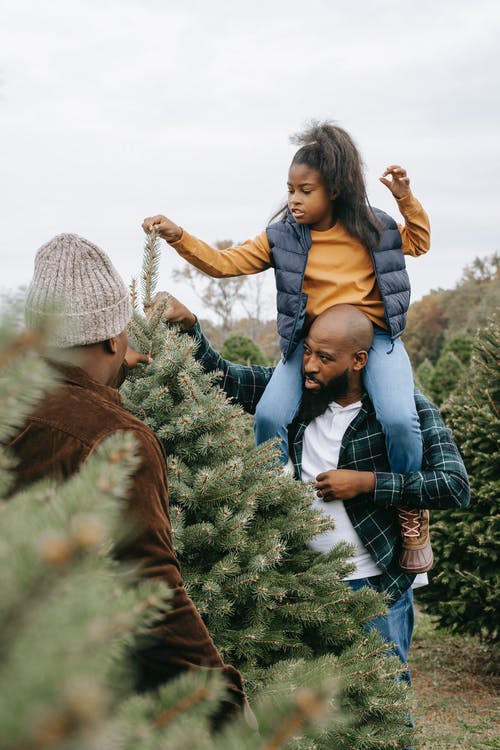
308 199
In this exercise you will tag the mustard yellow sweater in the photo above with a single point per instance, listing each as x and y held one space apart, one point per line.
339 268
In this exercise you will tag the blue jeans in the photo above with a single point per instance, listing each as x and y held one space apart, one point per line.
388 380
280 401
395 627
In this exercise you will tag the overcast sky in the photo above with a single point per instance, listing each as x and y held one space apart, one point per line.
111 110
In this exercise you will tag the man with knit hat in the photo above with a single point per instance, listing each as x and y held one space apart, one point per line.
76 286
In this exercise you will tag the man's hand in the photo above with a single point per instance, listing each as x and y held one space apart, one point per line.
175 311
344 484
133 358
164 227
399 184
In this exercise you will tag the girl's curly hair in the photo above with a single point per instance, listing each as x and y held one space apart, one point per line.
331 151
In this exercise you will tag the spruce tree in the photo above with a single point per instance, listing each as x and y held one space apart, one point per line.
461 345
63 625
448 371
424 378
70 613
241 527
465 584
244 350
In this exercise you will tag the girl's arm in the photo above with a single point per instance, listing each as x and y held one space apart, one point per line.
250 257
416 231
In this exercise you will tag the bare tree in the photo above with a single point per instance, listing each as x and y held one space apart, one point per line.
256 302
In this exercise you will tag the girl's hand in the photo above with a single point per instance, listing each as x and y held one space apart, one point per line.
399 184
163 226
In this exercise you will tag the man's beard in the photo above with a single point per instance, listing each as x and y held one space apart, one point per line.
315 403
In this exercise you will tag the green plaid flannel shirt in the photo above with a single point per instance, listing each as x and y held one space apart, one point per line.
442 482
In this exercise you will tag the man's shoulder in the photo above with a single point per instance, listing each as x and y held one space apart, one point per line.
427 411
85 416
66 427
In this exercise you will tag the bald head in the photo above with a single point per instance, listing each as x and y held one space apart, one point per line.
347 325
335 354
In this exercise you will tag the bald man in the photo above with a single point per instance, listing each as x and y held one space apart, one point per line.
336 443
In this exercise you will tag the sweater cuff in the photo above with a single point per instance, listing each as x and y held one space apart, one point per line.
180 240
388 489
187 246
409 204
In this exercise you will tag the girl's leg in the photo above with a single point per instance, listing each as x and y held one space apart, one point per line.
388 378
280 402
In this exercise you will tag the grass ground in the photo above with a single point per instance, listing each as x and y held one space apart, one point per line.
455 690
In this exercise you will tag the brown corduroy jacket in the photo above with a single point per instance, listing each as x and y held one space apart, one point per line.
57 438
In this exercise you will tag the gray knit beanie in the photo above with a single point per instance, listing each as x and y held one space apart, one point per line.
75 283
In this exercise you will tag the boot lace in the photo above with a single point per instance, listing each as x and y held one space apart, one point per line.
410 523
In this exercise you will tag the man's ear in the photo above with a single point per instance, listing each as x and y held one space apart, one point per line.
360 359
111 345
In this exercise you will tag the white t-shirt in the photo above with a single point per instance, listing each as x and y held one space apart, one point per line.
320 452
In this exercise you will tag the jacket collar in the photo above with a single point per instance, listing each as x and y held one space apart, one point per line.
301 231
297 428
75 376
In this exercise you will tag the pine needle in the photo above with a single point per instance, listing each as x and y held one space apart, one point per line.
150 268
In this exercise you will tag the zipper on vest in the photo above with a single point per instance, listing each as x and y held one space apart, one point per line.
302 296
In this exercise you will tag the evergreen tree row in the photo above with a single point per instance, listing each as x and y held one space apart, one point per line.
445 315
464 588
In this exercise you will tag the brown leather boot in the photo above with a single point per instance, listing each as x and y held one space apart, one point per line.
416 555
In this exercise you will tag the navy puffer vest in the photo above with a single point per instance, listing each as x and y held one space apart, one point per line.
290 243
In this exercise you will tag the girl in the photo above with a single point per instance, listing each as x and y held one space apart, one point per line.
329 246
